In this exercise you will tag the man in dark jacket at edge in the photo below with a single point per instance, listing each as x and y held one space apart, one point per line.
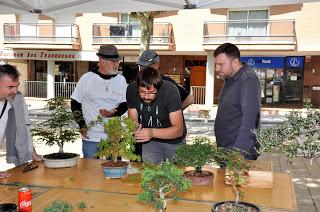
239 103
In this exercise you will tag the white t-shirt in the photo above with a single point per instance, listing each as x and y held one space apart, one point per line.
3 120
95 93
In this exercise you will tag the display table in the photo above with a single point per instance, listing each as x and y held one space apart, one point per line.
76 183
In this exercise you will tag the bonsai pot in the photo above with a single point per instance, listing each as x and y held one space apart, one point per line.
112 169
60 160
220 206
8 207
199 178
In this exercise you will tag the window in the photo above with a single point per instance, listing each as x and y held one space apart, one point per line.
248 23
133 27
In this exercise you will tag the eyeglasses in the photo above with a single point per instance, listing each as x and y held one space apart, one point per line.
154 92
115 61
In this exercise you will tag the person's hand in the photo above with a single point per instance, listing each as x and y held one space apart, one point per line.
143 134
84 132
107 113
4 175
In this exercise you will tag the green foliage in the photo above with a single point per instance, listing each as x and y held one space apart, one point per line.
59 206
160 182
81 205
64 206
297 136
56 130
201 152
120 140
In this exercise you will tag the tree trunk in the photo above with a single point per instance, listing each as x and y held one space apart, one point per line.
61 149
146 21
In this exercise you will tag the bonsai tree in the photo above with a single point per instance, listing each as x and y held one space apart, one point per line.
297 136
160 182
237 169
120 141
57 130
199 153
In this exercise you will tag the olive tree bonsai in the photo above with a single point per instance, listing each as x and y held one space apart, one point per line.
160 182
57 129
197 154
298 135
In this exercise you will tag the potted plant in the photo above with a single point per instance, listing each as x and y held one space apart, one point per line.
57 130
297 136
237 169
160 182
119 143
197 154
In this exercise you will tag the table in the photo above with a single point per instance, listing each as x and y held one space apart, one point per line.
76 183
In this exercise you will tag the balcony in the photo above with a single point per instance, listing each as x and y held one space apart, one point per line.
127 36
251 35
41 36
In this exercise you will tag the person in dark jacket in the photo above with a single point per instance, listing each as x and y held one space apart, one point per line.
239 103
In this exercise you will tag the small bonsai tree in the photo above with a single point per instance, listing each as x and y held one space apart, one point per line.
237 174
57 129
199 153
120 140
160 182
298 135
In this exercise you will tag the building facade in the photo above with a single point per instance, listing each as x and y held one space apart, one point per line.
281 43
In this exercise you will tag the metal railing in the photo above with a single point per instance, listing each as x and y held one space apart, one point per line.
199 94
34 89
64 89
250 32
38 89
125 33
41 33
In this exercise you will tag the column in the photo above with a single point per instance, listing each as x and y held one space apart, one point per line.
64 30
209 79
50 79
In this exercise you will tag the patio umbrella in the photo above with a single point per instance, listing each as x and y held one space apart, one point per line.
56 7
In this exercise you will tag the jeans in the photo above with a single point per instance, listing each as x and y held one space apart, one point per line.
90 149
156 152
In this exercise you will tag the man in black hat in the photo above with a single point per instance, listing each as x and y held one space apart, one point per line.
101 91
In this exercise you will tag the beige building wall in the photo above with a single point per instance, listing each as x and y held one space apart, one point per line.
307 24
5 19
85 22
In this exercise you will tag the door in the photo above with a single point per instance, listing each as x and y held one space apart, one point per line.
198 83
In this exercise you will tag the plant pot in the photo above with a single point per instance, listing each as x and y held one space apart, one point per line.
113 169
60 160
252 208
199 178
8 207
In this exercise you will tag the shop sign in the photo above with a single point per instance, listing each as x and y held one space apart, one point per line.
47 55
294 62
264 62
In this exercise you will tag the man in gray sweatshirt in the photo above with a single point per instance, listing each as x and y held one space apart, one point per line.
14 119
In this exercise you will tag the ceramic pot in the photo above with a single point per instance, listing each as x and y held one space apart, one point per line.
218 205
205 178
111 172
60 163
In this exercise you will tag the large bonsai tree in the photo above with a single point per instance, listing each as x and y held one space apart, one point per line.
297 136
160 182
57 129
